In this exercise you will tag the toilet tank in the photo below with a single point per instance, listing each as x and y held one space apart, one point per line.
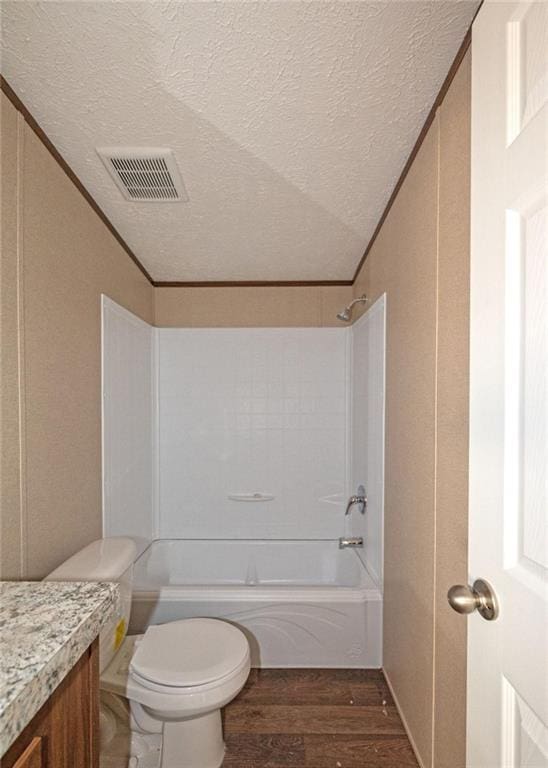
105 560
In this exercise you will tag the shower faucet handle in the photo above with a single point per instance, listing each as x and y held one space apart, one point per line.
359 498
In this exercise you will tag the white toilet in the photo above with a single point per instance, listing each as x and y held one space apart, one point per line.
176 677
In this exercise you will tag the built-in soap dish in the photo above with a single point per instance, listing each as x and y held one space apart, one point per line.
250 496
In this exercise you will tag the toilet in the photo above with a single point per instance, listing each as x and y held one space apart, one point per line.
170 683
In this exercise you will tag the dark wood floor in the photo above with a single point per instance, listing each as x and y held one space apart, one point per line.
315 718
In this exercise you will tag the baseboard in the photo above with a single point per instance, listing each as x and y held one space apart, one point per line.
404 721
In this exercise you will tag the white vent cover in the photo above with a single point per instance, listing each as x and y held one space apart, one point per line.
144 173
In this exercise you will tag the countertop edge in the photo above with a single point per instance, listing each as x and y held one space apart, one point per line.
21 710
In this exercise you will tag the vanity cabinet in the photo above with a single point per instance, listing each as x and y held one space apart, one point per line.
65 731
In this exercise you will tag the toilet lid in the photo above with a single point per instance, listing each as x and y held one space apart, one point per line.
189 652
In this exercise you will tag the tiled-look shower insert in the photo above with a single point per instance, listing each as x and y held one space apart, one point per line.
233 451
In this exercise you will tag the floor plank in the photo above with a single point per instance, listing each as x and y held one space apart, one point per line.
317 686
315 718
358 752
306 718
273 751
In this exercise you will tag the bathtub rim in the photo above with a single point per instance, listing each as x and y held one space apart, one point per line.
366 591
214 593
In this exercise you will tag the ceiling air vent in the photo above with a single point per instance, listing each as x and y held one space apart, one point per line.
145 173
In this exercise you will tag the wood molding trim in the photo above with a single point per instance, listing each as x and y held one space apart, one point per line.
40 133
20 107
251 284
422 135
18 104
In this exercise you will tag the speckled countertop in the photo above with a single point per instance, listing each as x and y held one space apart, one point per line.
45 626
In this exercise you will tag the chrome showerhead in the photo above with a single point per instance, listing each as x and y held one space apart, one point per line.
346 314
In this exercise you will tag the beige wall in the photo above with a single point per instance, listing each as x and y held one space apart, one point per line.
403 263
250 307
10 529
451 560
57 259
421 259
64 257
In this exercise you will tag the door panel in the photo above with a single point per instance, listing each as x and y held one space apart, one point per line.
508 670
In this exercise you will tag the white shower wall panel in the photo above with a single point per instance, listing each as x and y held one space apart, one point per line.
367 405
128 423
245 411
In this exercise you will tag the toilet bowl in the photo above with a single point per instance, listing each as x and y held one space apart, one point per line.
177 677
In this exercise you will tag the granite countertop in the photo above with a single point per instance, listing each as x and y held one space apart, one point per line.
45 626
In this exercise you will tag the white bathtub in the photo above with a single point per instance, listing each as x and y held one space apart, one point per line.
300 603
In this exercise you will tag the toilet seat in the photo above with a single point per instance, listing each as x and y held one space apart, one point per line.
187 654
118 679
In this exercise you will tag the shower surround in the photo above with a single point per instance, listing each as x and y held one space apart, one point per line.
251 435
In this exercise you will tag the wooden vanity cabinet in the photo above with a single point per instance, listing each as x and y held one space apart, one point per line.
65 731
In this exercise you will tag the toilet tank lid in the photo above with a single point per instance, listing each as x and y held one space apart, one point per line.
102 560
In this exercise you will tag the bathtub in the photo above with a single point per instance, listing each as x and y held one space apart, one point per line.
300 603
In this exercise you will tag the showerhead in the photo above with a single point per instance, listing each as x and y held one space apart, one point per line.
346 314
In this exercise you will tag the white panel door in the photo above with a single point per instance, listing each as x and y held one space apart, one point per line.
508 670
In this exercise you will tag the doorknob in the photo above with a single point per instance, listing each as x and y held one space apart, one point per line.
480 597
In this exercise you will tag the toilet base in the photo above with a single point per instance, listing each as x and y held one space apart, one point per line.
121 745
194 743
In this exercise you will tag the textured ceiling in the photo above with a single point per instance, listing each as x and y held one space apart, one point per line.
290 121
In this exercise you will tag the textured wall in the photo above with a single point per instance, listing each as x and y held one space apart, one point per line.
65 258
10 498
451 560
421 259
403 263
250 307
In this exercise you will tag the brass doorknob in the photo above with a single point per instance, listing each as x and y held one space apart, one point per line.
480 597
